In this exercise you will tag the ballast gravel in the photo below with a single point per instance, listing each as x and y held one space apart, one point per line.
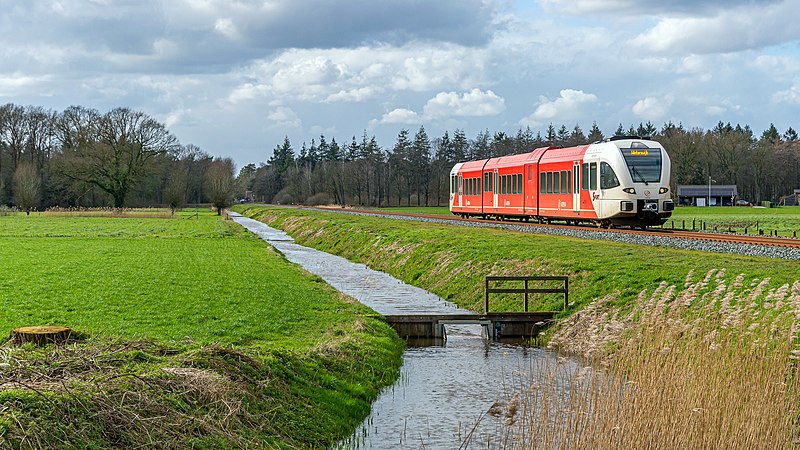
765 251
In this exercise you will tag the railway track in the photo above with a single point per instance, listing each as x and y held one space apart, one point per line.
728 238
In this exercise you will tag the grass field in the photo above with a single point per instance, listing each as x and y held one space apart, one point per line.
191 292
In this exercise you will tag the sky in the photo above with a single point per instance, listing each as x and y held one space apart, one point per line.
234 77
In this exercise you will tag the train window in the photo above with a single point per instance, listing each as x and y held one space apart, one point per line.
569 182
564 182
608 179
495 187
585 178
556 182
530 173
519 184
549 182
502 184
486 182
542 183
593 176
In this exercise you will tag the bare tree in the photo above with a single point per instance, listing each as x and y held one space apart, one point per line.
220 183
27 186
114 157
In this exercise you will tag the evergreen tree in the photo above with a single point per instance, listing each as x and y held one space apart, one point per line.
595 135
620 131
481 148
421 163
576 137
460 146
771 134
282 157
551 138
399 166
790 135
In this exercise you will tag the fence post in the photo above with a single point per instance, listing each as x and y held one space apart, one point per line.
526 295
486 296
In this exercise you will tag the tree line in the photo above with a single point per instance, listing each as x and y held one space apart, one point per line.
81 157
415 170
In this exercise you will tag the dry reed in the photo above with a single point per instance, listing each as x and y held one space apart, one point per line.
711 366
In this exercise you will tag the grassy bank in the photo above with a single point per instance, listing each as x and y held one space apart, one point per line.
699 349
191 332
784 220
452 261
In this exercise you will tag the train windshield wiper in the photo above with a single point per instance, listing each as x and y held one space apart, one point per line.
636 172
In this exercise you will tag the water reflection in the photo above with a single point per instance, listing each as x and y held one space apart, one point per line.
450 395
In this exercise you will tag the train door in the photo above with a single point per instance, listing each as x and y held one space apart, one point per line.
460 189
576 191
496 188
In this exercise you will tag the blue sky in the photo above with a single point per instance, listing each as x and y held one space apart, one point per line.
235 76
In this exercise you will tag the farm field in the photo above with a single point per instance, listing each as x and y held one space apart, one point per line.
170 308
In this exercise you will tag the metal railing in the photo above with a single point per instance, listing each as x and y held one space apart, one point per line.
525 290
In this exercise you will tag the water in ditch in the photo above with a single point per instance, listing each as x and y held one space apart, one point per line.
448 396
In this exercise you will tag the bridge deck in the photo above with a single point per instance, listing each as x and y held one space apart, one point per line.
496 324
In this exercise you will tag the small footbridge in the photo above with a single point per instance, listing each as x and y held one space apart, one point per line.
496 325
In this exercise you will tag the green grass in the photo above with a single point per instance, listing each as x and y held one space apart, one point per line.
420 209
452 261
198 292
785 220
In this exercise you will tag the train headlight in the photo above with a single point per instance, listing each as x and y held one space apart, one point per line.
630 190
663 190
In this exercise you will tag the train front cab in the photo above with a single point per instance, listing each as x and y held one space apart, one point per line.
633 188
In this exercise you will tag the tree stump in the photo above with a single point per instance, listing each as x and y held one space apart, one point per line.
41 335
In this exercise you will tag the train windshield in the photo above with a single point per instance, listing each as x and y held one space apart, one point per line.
644 163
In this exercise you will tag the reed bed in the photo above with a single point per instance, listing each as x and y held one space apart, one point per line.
711 366
139 213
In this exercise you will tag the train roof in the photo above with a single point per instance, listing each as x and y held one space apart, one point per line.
562 154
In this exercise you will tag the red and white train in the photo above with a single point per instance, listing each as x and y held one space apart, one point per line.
620 181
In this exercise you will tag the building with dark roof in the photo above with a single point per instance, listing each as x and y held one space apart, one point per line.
705 195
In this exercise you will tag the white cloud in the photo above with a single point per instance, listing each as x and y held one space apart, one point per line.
356 74
227 28
652 108
568 105
790 95
354 95
399 116
284 117
472 103
749 26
